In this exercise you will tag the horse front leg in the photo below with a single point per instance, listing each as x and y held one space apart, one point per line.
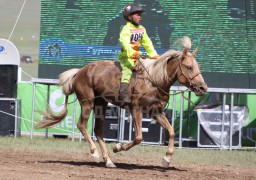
163 121
137 124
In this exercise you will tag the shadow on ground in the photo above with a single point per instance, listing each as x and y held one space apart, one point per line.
118 165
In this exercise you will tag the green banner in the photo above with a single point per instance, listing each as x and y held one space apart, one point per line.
56 103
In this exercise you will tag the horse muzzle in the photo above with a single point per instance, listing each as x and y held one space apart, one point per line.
199 89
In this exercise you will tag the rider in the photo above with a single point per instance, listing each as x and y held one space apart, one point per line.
132 36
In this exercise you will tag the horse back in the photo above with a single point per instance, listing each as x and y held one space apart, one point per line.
100 77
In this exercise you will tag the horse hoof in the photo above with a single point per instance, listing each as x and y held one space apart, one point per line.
165 162
117 148
95 158
110 164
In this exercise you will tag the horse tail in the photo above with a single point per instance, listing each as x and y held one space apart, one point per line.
50 118
66 81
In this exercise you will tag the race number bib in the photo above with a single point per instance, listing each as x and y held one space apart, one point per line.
136 35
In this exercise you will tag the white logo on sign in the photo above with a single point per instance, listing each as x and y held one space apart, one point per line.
56 95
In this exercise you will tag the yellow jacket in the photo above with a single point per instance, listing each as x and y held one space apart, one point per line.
131 38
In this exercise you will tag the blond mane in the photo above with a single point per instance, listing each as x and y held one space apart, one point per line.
186 42
156 70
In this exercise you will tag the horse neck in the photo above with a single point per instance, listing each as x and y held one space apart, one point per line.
172 71
162 73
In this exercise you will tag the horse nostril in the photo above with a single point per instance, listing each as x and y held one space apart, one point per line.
203 86
204 89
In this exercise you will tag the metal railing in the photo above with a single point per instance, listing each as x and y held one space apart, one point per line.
223 91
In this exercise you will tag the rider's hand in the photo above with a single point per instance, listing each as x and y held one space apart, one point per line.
138 56
155 57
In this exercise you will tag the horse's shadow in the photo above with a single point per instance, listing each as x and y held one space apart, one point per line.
118 165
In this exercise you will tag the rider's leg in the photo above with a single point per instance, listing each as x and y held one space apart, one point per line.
127 66
123 93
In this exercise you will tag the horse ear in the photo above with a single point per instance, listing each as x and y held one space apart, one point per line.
185 51
195 51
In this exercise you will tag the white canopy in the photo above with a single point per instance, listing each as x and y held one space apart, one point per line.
9 54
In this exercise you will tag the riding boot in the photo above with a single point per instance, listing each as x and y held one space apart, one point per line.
123 93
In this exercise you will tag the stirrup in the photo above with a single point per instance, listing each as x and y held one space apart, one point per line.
124 99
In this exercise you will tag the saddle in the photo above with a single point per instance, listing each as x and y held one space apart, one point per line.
137 83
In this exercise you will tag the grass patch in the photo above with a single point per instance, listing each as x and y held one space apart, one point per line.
215 157
234 158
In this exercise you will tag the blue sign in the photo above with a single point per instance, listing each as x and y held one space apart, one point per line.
1 48
54 49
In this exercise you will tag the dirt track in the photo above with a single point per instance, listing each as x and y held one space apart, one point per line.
33 165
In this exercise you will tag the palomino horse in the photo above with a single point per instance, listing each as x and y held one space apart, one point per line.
98 83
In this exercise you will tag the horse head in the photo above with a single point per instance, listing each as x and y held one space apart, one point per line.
189 73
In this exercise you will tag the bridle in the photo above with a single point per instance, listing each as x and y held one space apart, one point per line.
189 79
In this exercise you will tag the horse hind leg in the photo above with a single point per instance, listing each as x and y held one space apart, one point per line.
82 126
99 113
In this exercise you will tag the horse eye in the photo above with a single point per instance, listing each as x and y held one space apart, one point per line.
189 68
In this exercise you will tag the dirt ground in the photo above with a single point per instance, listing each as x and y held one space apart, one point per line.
33 165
